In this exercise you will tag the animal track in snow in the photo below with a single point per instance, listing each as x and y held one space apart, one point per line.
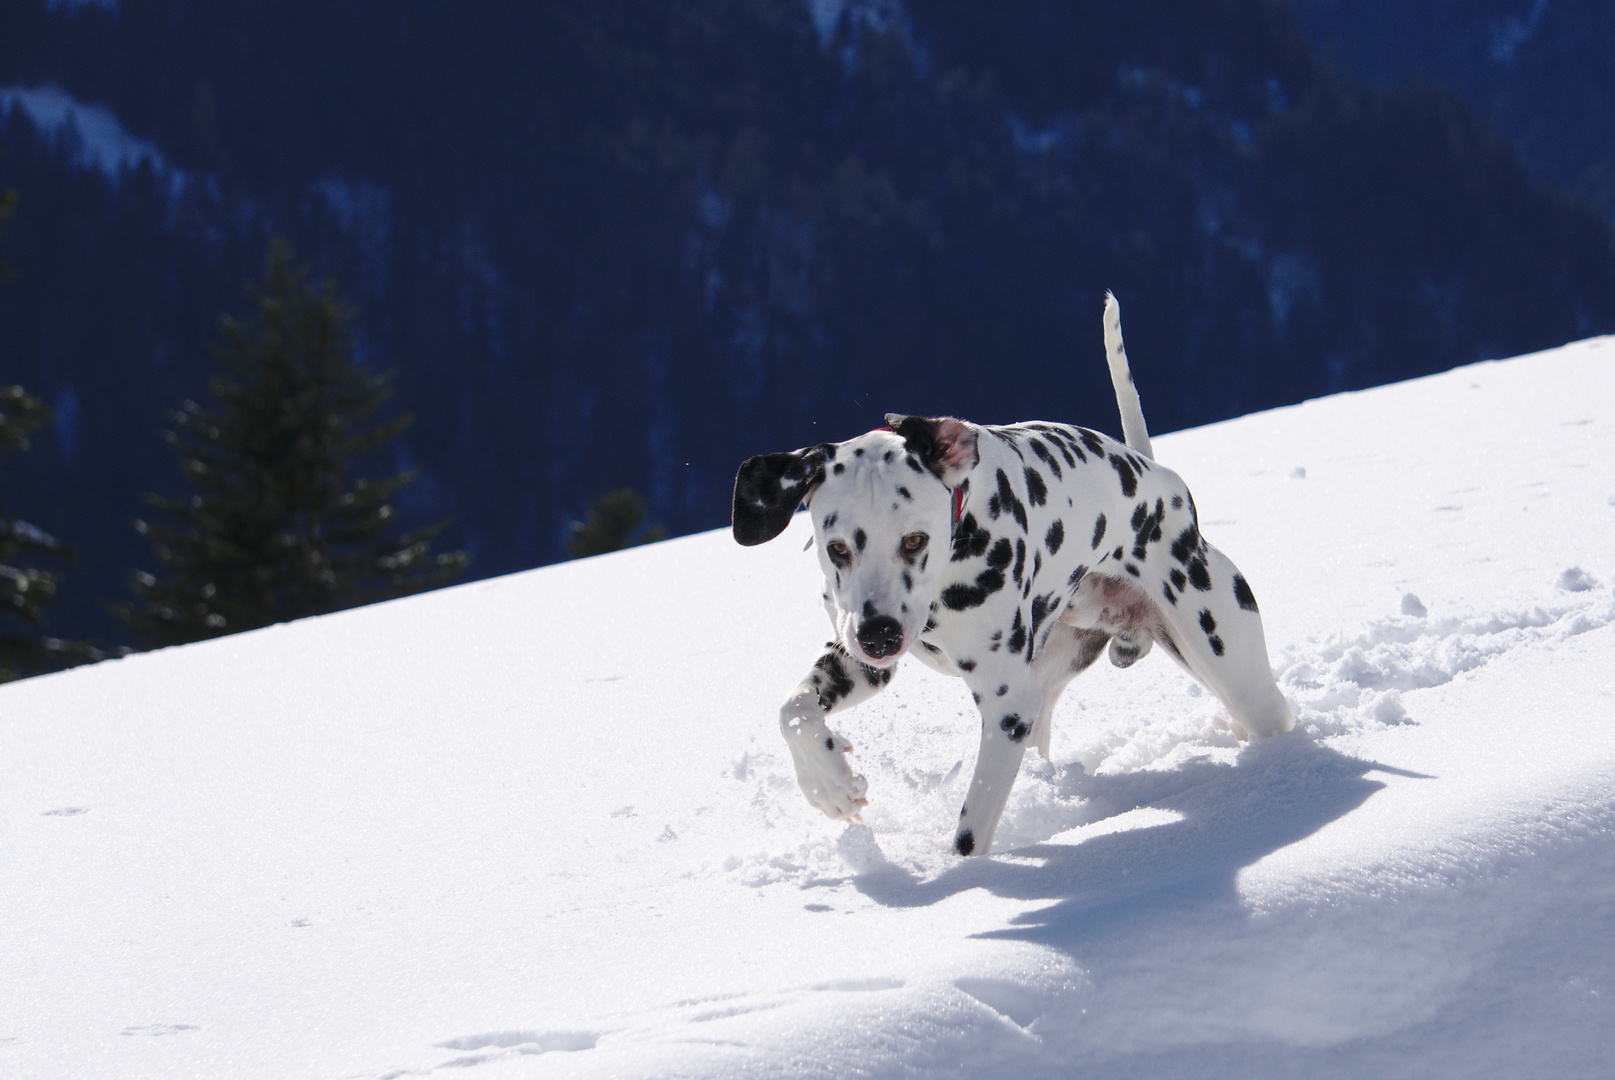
528 1042
499 1045
157 1030
1366 673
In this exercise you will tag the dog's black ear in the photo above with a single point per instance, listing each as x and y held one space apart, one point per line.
769 488
944 445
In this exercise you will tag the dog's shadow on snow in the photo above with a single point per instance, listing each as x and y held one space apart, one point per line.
1280 791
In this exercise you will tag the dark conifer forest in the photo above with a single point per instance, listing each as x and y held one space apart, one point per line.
625 245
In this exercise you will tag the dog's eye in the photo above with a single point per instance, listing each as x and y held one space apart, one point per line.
914 541
836 548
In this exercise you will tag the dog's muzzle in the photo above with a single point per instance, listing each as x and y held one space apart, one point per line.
880 637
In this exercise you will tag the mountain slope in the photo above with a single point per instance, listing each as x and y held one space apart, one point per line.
543 825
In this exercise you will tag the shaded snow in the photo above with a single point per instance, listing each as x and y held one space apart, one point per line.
100 139
544 825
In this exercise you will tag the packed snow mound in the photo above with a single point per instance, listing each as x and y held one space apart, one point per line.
545 825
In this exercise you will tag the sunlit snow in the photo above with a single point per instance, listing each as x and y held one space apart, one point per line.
545 825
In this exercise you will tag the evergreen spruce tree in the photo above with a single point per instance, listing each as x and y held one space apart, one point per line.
25 590
612 523
275 527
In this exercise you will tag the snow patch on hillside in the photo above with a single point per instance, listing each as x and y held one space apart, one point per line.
544 825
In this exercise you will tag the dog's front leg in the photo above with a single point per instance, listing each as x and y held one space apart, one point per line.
1010 702
820 755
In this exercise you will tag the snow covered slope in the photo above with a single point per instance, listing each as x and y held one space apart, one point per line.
545 826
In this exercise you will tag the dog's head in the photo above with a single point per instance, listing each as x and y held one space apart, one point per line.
883 508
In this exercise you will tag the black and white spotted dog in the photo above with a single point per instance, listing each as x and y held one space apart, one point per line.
1007 556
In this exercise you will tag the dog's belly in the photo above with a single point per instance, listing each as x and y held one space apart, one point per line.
1113 605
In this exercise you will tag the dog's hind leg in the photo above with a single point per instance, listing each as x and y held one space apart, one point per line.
1214 629
819 754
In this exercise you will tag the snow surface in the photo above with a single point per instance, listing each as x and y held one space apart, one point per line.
545 825
101 141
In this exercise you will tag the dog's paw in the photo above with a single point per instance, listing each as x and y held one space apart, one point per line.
828 781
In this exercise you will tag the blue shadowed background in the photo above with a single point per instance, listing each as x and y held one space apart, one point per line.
628 244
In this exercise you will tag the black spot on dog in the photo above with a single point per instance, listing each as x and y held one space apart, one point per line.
969 540
1054 537
1207 622
830 743
929 647
1037 492
1003 688
1004 500
908 581
839 468
1098 531
1199 577
830 521
1171 646
1147 527
1048 458
1125 472
1092 441
1042 607
1179 580
1166 590
1017 634
964 843
1177 502
960 597
967 665
839 685
1117 554
903 491
1242 593
1131 569
888 455
876 676
859 539
912 462
977 698
1013 726
1187 543
1037 564
1216 644
1069 445
1076 576
858 452
1020 561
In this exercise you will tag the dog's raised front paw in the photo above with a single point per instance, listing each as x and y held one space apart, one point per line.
828 780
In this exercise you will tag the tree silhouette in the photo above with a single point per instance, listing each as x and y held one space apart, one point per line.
275 527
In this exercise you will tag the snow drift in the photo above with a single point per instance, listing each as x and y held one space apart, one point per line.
544 825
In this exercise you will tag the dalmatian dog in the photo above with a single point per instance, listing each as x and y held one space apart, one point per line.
1009 557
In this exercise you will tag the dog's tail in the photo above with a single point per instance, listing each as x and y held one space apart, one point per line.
1121 377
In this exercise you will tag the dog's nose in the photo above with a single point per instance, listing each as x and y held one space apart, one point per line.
881 636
